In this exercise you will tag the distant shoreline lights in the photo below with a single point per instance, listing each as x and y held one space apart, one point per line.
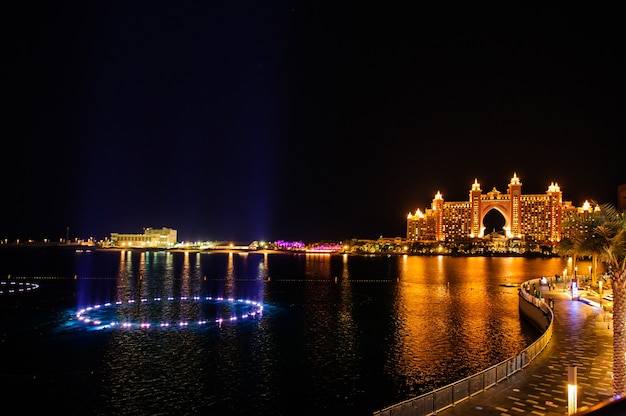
7 287
99 315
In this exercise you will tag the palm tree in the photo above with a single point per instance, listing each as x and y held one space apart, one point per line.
612 251
603 236
589 243
567 247
581 240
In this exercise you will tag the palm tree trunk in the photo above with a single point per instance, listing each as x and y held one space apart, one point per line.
619 331
594 269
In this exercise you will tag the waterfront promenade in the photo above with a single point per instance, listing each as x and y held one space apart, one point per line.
582 337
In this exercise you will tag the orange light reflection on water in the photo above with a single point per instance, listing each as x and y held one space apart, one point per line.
460 308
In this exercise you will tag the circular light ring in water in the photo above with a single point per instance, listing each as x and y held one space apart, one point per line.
93 315
7 287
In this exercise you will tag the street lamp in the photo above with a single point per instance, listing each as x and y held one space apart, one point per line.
572 393
570 266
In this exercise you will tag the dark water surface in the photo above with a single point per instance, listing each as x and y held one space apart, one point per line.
337 334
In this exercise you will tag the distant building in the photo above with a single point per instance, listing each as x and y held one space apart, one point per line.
532 217
151 238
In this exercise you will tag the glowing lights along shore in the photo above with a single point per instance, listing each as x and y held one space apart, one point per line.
9 287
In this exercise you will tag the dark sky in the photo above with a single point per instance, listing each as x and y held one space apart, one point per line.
244 120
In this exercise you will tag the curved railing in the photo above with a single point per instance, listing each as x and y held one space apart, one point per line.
448 396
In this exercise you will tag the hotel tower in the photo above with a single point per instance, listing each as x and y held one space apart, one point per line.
532 217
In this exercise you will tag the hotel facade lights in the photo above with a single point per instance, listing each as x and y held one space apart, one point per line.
151 238
535 217
578 220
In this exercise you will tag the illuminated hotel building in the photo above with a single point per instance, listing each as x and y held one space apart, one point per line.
532 217
151 238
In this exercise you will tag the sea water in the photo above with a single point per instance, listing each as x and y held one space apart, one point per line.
335 333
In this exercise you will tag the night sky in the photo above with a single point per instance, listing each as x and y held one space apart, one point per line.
255 120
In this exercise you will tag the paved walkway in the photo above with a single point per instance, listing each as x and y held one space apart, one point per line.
582 337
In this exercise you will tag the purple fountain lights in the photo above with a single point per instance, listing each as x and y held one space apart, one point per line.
248 309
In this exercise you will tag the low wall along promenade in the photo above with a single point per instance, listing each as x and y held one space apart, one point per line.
532 308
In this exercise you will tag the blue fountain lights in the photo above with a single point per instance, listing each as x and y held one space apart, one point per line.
7 287
249 309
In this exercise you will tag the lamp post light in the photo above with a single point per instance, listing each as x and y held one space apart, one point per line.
572 390
570 265
575 284
574 290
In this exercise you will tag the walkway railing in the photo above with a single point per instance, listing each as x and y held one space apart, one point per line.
447 396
